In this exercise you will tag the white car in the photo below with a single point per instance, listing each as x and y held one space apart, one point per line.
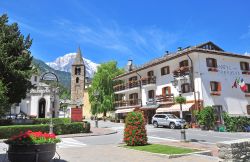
168 120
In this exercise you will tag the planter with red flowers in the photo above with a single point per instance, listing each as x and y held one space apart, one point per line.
32 147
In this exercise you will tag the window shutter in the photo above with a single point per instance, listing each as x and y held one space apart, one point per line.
215 63
169 90
219 86
164 91
207 62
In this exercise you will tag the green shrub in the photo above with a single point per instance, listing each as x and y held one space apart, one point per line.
77 127
180 100
207 117
54 120
135 132
235 123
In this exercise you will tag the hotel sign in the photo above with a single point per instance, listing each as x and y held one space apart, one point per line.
228 70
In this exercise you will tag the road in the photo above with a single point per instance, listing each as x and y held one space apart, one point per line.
105 148
194 135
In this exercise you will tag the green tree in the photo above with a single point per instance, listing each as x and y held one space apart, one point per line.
207 117
15 61
3 98
101 94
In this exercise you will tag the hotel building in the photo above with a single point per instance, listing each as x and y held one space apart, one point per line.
204 74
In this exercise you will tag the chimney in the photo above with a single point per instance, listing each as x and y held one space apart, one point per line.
129 65
179 49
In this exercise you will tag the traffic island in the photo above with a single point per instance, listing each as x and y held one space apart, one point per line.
168 151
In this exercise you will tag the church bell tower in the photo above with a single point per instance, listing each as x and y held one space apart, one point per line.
77 80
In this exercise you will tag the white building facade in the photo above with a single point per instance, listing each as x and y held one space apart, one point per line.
41 102
204 74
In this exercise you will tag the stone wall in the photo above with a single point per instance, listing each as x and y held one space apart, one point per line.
234 151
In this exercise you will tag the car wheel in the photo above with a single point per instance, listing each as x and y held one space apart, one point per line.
172 125
155 124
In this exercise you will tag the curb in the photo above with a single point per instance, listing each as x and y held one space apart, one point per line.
202 152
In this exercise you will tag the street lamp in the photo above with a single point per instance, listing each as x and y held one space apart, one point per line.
49 76
96 94
183 132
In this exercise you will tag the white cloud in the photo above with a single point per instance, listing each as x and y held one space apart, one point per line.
246 35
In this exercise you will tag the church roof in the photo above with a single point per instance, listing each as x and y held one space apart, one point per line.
78 60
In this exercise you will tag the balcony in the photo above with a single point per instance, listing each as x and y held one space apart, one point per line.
124 86
128 103
181 71
148 80
168 99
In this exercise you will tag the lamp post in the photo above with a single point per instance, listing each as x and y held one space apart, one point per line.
183 132
96 94
48 77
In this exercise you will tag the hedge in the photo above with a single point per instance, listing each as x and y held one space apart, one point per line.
77 127
5 122
54 120
235 123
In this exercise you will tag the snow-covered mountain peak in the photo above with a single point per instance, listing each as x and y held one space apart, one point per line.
64 63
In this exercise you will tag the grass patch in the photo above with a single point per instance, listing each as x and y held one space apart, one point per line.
162 149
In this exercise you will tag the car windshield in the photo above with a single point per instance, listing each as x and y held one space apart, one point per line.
172 116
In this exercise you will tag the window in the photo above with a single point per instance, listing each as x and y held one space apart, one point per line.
244 66
248 88
184 63
150 73
77 71
248 109
166 91
151 94
134 78
211 62
185 88
35 79
77 80
215 86
165 70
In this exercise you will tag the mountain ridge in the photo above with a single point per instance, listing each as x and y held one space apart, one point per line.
63 63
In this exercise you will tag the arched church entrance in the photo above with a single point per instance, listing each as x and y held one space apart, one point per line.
41 109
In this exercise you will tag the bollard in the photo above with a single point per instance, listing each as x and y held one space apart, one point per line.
96 123
183 135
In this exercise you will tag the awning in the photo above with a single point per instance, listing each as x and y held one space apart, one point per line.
155 106
175 108
124 110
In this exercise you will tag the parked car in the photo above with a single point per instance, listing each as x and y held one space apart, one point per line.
168 120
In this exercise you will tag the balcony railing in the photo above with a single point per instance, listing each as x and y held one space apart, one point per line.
169 98
181 71
126 103
148 80
128 85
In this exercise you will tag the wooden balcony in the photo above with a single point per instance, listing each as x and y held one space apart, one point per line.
148 80
160 99
181 71
128 85
128 103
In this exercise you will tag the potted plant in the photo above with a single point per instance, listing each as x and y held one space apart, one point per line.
32 147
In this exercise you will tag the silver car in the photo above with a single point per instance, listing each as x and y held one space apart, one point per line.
168 120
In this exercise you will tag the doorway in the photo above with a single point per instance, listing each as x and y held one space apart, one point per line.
41 109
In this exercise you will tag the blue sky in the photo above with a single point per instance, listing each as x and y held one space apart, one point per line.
129 29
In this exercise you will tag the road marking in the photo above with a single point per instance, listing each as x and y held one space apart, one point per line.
164 139
70 143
